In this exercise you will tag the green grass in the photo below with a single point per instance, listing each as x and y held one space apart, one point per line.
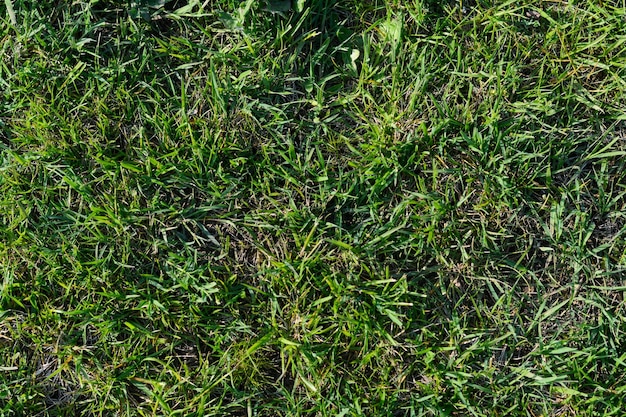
325 208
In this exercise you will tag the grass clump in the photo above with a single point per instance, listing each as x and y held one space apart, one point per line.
312 208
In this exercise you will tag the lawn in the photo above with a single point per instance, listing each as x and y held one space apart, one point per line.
312 208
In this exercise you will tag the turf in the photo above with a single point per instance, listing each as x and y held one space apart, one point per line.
312 208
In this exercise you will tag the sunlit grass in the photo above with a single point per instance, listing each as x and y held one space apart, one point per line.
312 208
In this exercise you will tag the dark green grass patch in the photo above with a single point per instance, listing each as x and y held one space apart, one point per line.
312 208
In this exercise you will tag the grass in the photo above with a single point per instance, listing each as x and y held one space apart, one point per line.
313 209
